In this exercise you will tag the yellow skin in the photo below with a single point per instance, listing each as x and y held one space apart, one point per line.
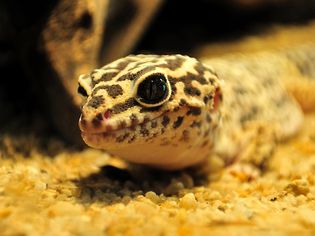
172 111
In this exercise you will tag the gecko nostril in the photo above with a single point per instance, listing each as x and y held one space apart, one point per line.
107 114
217 99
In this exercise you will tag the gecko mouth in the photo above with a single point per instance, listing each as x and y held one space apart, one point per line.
115 136
112 130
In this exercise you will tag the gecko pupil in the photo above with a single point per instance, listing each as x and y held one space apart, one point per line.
153 89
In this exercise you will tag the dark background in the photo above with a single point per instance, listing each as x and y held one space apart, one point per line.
179 27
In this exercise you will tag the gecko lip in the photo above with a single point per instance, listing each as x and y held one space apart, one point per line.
111 130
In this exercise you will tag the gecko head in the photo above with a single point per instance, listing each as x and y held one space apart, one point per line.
138 106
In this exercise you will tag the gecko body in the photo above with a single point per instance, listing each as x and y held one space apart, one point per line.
172 111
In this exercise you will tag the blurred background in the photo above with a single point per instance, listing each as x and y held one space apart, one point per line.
46 45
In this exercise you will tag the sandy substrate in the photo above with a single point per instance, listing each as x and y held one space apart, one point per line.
89 193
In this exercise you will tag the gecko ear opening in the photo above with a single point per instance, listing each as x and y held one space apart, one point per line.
217 99
85 85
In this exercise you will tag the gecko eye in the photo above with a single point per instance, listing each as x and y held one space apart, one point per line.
82 91
153 91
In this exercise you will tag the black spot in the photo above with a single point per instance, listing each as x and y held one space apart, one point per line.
165 121
281 101
182 102
134 120
105 134
195 124
195 111
252 114
144 131
174 63
188 88
208 118
121 107
149 109
268 82
96 101
114 90
127 76
120 65
108 128
200 68
146 119
198 78
131 76
205 143
123 64
122 137
240 90
145 70
189 77
185 136
206 134
178 122
165 143
192 91
206 99
132 139
97 121
107 77
153 124
122 124
273 199
92 74
141 62
176 109
173 88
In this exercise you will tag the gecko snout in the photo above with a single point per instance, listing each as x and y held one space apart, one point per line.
100 123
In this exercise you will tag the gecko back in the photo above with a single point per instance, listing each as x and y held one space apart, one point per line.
254 96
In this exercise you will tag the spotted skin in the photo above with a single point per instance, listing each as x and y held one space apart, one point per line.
208 110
